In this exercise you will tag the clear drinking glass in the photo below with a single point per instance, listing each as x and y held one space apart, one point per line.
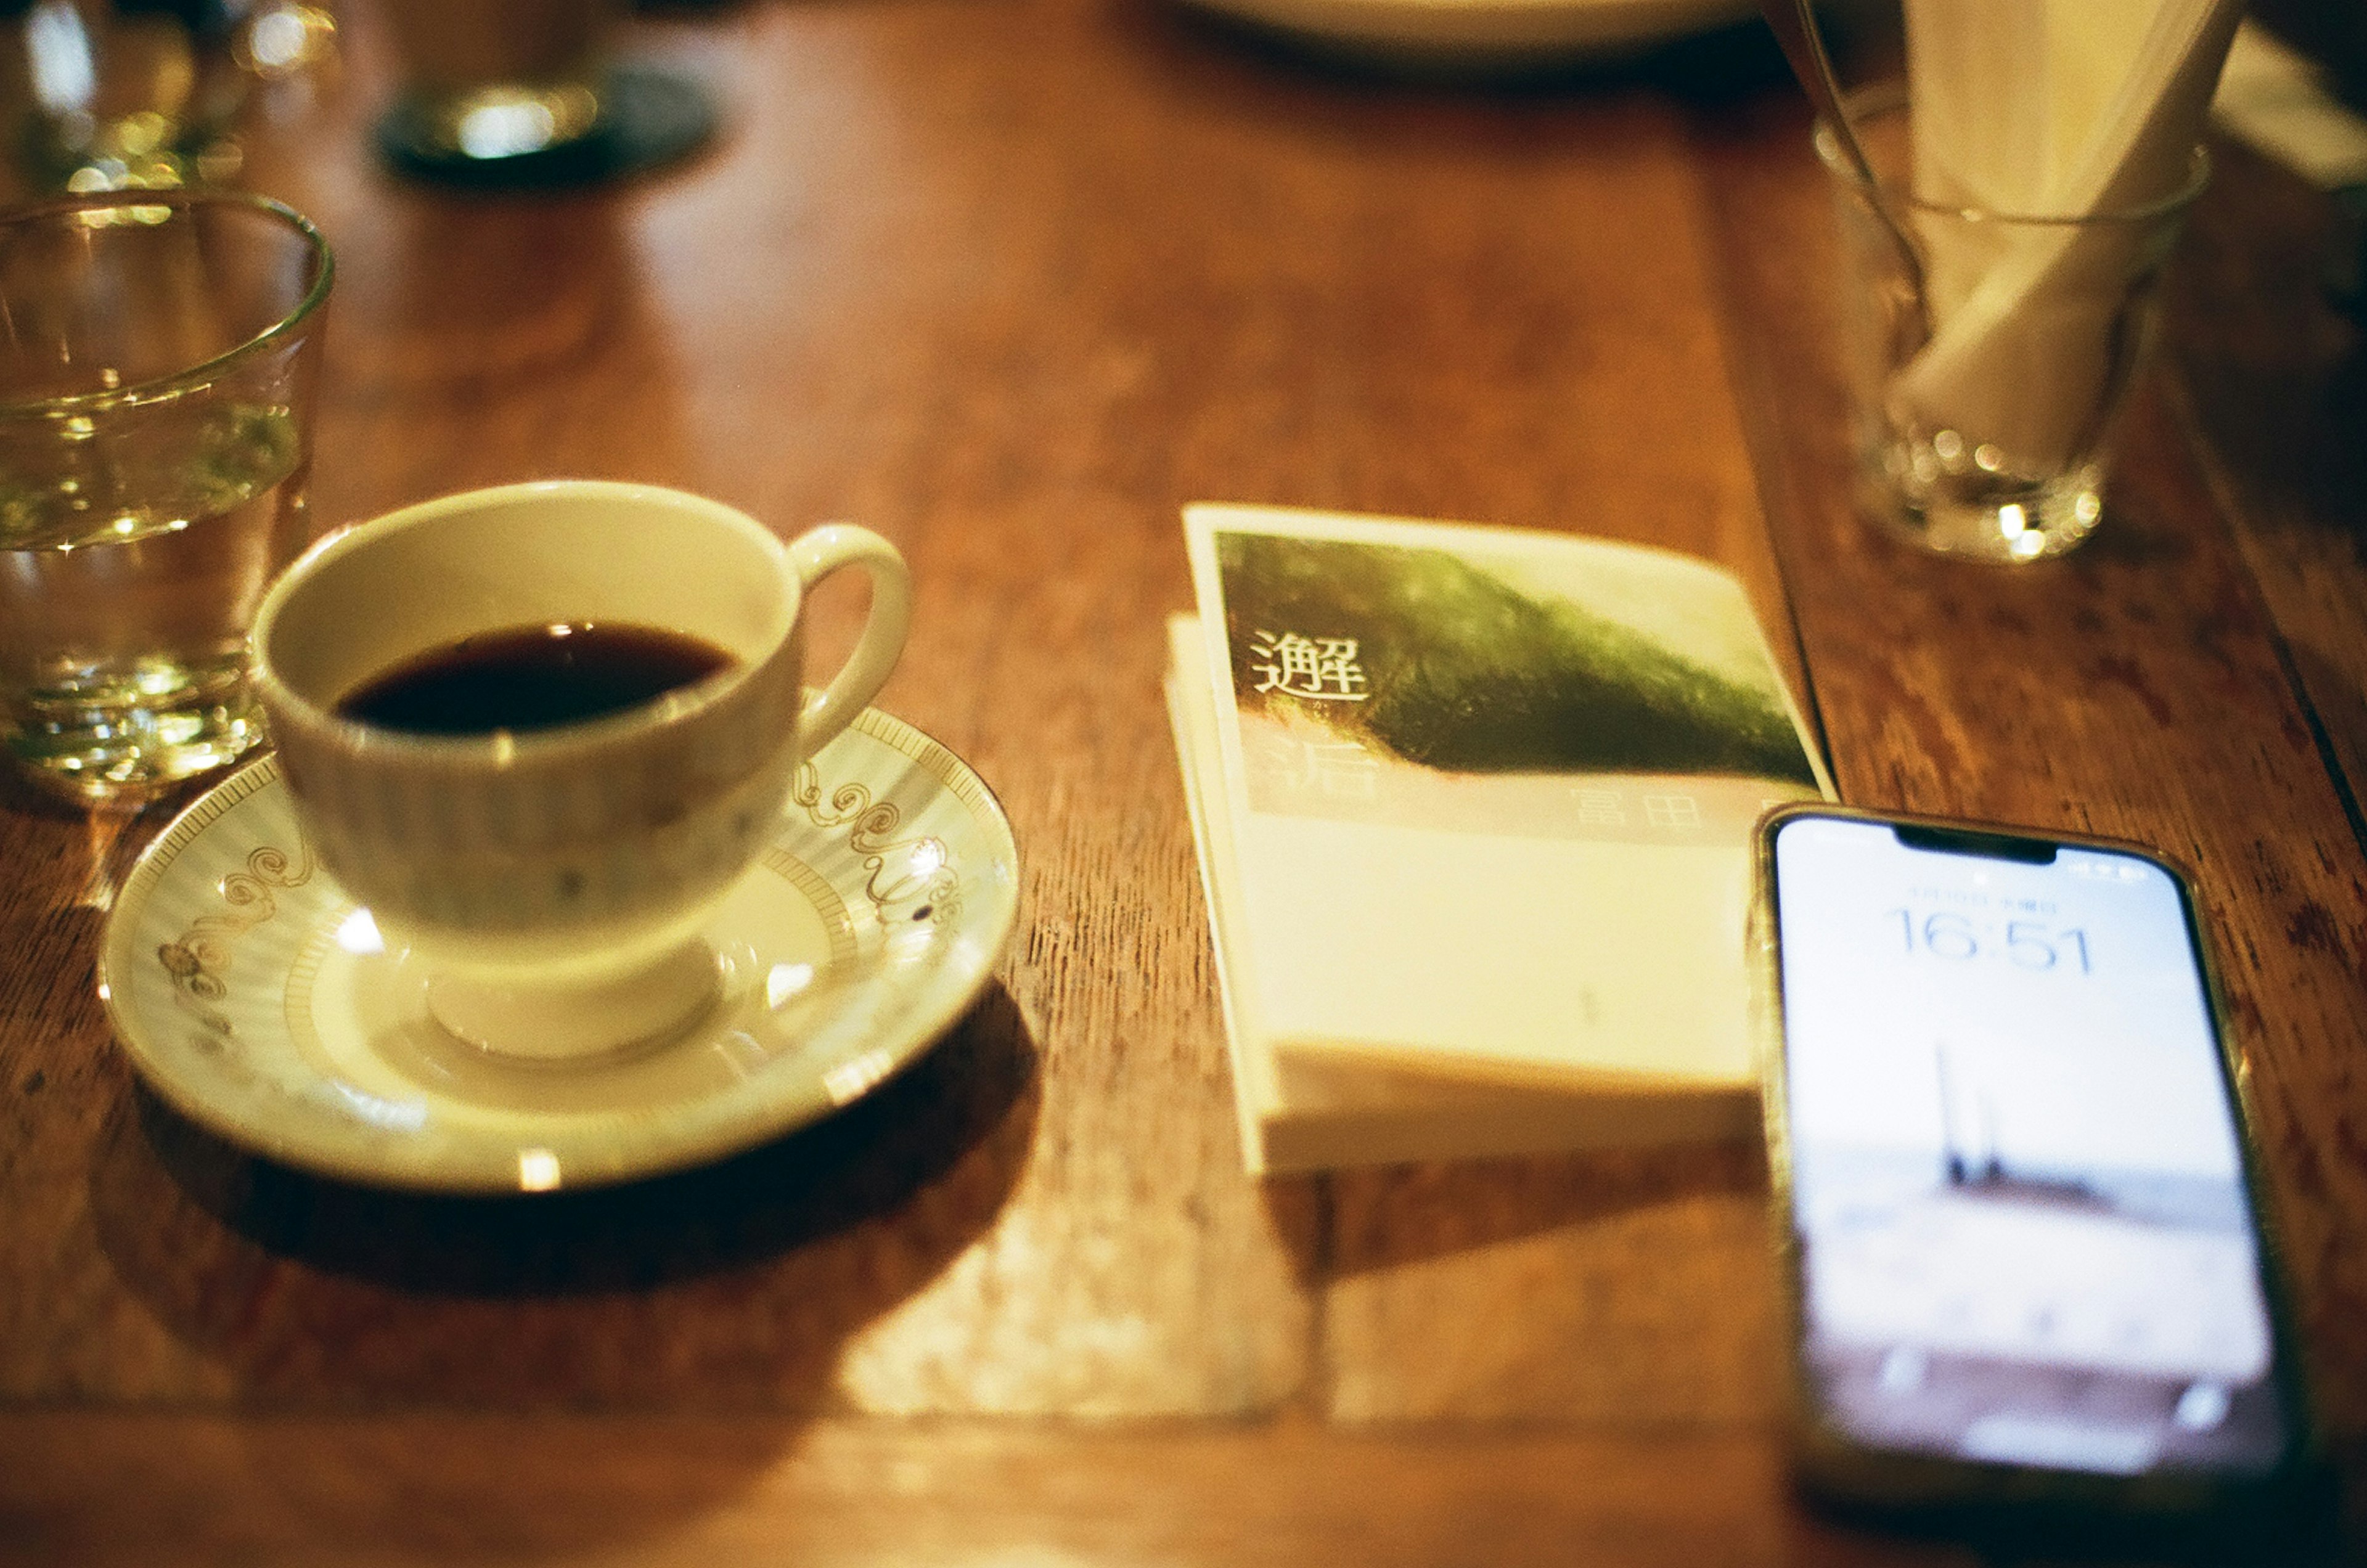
158 353
1985 392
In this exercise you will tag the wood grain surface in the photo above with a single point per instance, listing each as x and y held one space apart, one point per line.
1010 281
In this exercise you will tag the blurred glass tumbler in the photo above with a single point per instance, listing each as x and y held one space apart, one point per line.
117 95
1985 405
158 353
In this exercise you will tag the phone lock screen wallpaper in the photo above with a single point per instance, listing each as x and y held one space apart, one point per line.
2017 1186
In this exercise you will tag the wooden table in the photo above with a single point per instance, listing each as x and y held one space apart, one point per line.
1010 280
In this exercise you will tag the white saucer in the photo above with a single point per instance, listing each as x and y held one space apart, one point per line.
1486 33
252 993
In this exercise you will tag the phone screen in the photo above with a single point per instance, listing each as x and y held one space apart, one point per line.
2025 1234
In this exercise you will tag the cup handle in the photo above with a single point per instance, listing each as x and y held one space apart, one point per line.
814 556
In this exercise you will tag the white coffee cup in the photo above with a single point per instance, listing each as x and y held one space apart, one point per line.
554 881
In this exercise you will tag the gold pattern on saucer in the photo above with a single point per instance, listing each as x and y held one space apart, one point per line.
198 957
912 871
824 897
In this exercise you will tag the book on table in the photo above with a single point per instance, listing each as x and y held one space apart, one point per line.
1473 808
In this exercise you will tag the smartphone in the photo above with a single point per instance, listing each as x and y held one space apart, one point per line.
2028 1263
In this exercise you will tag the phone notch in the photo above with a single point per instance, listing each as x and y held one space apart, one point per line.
1967 842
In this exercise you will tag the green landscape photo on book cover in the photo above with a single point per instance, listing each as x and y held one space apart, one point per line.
1603 691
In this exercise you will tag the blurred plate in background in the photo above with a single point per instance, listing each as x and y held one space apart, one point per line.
1482 33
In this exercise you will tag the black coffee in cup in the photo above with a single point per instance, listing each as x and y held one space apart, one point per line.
531 677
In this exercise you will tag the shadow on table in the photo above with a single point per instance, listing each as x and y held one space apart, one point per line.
1381 1217
732 1286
